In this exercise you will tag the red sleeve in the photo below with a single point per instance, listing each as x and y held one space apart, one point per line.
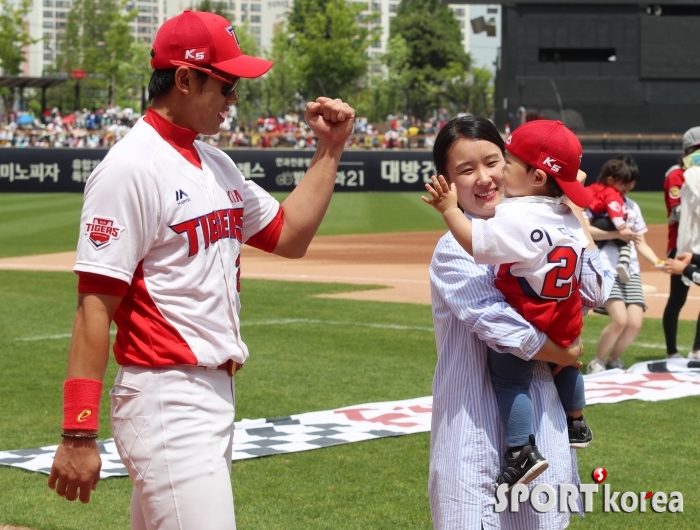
613 202
269 236
672 189
89 282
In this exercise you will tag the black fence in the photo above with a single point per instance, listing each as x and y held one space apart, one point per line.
66 170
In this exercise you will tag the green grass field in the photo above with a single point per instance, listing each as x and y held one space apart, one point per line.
302 367
40 223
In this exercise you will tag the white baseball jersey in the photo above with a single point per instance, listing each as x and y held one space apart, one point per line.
529 232
174 233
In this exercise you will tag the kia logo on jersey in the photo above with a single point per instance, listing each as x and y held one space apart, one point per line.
101 231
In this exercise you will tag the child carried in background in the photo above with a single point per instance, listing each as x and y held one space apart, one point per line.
607 209
536 242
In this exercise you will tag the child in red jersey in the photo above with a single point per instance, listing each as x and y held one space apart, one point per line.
608 209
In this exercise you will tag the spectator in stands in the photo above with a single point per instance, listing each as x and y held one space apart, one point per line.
675 178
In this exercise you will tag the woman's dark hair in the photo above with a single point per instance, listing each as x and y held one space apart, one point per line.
631 165
469 127
162 81
617 169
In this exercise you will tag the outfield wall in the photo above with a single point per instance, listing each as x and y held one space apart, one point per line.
42 170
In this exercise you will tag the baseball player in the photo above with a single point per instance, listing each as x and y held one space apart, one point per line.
536 241
673 183
163 221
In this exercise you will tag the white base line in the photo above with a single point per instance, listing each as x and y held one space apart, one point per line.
288 321
382 282
280 322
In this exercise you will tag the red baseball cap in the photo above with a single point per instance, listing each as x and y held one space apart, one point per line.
548 145
202 39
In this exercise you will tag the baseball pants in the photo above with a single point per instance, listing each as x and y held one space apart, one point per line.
173 428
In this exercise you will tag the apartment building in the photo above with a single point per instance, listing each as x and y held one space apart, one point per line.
48 18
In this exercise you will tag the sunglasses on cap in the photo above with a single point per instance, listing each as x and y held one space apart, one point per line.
230 86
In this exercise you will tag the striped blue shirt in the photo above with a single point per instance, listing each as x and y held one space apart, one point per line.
467 441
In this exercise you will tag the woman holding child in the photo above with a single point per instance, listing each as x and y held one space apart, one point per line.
470 315
626 304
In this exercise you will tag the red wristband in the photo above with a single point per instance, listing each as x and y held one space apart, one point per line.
81 404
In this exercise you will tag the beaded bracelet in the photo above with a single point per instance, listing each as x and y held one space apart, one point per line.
79 436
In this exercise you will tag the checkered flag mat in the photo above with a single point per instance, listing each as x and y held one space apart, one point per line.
265 437
647 381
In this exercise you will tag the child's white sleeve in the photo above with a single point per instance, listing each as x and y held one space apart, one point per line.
503 239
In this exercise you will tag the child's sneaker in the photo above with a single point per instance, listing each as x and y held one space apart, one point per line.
617 363
595 366
694 355
676 356
523 466
623 273
580 434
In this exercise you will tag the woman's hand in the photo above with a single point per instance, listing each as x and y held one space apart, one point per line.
573 352
626 234
553 353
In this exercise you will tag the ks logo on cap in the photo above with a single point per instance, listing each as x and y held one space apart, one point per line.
195 54
101 231
551 162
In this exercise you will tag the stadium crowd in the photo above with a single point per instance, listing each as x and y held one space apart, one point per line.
102 128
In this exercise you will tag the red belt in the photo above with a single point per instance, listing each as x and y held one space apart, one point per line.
230 366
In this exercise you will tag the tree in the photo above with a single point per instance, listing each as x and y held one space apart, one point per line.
481 92
220 8
435 51
13 35
98 40
331 46
13 40
282 82
250 91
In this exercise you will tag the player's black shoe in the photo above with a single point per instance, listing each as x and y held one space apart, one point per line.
580 434
523 466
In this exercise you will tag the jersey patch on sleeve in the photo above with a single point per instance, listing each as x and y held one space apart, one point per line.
101 230
674 192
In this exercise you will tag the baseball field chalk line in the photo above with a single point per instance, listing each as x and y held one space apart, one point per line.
279 322
53 337
288 321
334 323
380 281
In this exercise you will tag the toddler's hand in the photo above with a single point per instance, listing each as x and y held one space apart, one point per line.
443 197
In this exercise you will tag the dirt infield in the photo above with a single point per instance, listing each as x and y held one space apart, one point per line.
397 261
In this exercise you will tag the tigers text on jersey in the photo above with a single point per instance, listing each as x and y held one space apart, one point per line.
174 233
536 243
